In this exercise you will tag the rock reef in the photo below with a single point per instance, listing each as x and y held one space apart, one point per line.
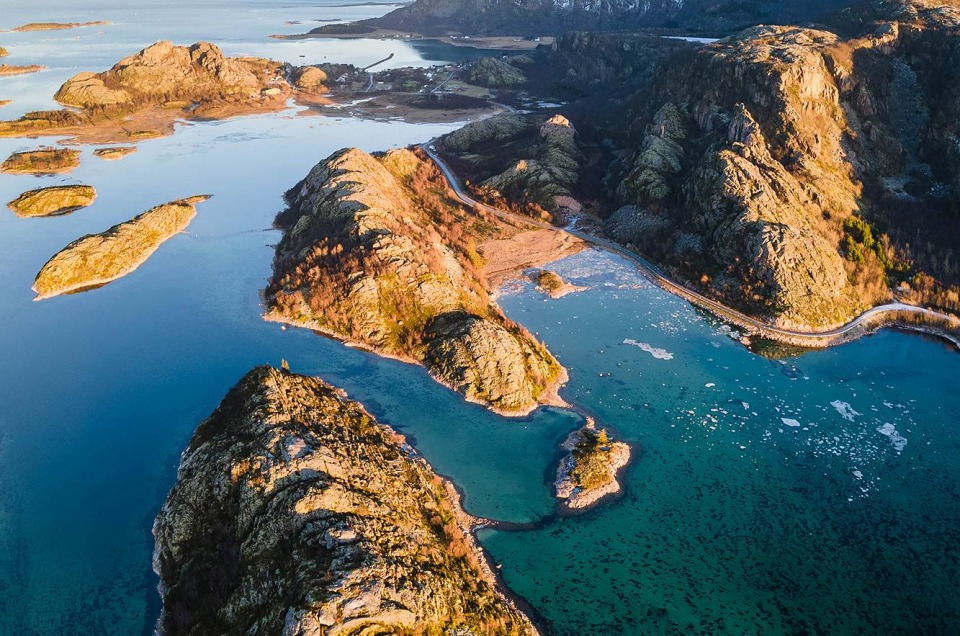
376 251
53 201
295 512
57 26
97 259
42 161
590 469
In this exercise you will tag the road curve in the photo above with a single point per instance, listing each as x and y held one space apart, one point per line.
881 315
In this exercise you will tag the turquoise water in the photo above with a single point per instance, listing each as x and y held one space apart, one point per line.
815 494
733 520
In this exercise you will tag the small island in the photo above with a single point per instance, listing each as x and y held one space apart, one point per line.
10 69
53 201
589 471
355 532
553 285
42 161
57 26
114 153
97 259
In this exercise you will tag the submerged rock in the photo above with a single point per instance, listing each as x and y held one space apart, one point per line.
97 259
43 161
374 252
295 512
53 200
589 471
114 153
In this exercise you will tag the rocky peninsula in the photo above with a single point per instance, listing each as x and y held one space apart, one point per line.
377 252
42 161
53 201
295 512
97 259
590 469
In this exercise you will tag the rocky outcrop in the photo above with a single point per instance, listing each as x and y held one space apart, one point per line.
294 512
53 201
590 469
544 177
495 73
4 52
553 285
97 259
43 161
375 252
114 153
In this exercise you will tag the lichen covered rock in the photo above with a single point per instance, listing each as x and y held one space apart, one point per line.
294 512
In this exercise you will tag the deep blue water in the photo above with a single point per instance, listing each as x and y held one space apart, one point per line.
734 519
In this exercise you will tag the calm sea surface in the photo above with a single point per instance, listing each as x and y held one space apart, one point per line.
815 493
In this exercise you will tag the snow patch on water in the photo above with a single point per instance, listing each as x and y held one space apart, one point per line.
845 410
898 440
659 354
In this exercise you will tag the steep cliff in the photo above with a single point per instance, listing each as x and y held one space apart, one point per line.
376 252
294 512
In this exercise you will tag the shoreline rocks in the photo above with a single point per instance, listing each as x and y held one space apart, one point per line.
53 201
97 259
589 472
295 512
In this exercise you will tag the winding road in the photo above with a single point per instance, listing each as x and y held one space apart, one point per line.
878 316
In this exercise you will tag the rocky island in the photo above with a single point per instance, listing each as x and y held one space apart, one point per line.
97 259
151 89
57 26
53 201
377 252
10 69
295 512
590 469
42 161
114 153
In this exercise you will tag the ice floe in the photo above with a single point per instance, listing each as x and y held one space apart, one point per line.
659 354
789 422
845 410
898 440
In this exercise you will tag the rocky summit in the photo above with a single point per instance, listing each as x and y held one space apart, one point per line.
97 259
294 512
376 251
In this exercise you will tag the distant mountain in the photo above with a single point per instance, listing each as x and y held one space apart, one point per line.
542 17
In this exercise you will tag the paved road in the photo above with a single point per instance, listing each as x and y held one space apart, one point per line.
656 275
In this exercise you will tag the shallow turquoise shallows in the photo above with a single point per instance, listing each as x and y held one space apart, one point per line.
812 494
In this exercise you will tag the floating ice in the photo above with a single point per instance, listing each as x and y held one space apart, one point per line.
659 354
898 440
789 422
709 385
845 410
